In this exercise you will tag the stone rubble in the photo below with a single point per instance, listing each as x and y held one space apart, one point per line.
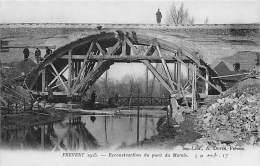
233 119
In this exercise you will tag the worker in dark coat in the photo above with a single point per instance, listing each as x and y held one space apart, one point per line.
158 16
26 53
48 52
93 98
37 55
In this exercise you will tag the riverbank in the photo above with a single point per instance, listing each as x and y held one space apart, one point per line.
171 135
32 118
231 119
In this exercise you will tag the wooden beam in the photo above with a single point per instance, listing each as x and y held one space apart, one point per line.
54 93
133 48
58 85
113 49
70 72
94 74
207 82
99 65
56 77
43 80
117 58
194 88
166 69
146 82
198 74
103 52
86 57
178 72
56 72
123 48
149 51
157 75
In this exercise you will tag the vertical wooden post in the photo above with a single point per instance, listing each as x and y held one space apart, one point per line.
145 127
188 71
137 132
207 83
106 84
194 81
138 116
124 48
106 129
70 73
75 67
43 80
146 82
178 74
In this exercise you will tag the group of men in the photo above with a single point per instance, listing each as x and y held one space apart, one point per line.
37 53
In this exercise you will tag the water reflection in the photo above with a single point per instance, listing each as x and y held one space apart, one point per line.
122 130
80 133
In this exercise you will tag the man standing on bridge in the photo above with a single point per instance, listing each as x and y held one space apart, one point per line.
93 99
26 53
158 16
48 52
37 55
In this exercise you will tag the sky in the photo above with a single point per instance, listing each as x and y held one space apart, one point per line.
125 11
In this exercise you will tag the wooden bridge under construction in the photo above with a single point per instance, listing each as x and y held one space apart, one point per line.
86 58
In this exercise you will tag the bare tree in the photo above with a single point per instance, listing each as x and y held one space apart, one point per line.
179 15
206 21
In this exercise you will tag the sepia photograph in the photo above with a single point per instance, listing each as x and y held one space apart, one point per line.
129 82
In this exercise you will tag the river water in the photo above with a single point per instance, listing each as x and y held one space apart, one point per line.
82 133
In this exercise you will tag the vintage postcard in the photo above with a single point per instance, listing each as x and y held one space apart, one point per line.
126 82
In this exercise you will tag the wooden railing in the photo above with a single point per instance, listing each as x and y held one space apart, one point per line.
135 101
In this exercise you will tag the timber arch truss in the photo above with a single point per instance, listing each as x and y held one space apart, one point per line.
72 69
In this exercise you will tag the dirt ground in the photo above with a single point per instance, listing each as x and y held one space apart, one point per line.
171 135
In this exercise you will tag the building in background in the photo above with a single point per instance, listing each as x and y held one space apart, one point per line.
247 60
